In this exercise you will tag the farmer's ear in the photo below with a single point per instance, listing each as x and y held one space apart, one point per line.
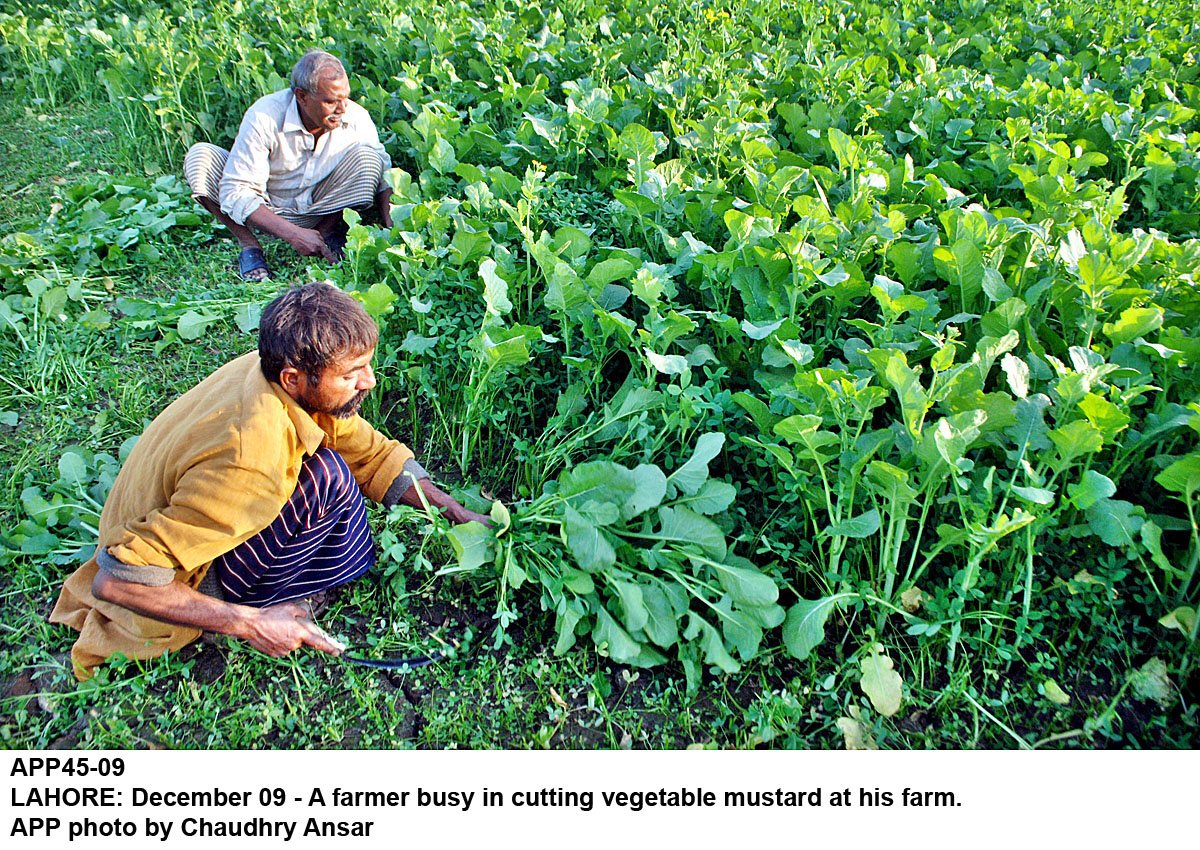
289 379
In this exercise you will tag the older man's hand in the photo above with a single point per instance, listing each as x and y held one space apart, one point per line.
310 243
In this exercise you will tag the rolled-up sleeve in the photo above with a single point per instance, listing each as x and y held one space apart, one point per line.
244 181
411 473
153 576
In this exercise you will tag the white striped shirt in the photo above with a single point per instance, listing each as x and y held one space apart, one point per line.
275 157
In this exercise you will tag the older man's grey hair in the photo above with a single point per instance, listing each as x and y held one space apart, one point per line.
314 66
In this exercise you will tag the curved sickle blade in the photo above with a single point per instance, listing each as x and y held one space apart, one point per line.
410 663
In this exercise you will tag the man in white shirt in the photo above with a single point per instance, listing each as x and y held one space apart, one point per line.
302 155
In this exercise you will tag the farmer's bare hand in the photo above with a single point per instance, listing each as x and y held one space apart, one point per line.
310 243
457 514
280 629
425 492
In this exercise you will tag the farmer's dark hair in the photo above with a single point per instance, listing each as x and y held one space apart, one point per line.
314 66
311 327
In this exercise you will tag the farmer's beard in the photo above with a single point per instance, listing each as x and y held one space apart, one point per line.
344 411
350 408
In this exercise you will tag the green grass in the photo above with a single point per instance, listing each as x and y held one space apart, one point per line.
43 152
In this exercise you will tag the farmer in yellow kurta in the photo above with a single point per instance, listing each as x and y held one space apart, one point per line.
245 496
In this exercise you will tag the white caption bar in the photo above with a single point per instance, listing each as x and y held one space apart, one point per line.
609 800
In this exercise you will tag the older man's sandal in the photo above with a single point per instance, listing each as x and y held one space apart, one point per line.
251 260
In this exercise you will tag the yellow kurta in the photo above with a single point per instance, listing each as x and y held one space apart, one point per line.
211 471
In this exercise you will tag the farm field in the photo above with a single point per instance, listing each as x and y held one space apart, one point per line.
828 368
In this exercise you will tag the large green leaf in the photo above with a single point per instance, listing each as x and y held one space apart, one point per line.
635 202
639 146
598 513
1034 495
804 627
415 344
1029 432
1109 419
756 293
741 226
1182 618
565 290
495 289
635 400
962 266
614 641
611 296
660 625
847 151
441 155
1075 439
567 619
633 609
73 468
1115 521
914 403
505 348
468 245
711 643
713 497
1182 476
598 481
1017 372
891 482
954 434
766 616
1092 487
472 544
612 269
1133 323
781 455
804 429
689 477
192 324
578 581
650 487
746 585
1151 537
587 542
758 410
908 260
571 242
666 364
685 528
247 318
37 507
757 332
863 525
989 349
741 630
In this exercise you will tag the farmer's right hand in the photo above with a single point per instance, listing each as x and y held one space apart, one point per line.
310 243
280 629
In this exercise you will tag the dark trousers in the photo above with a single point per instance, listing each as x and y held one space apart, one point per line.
319 540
